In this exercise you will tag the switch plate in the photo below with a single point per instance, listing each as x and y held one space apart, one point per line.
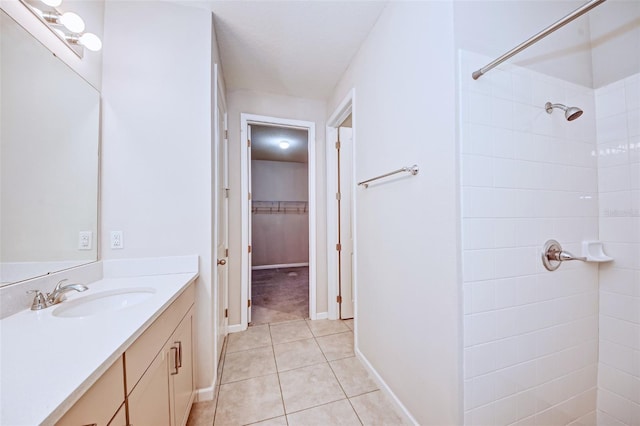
85 240
116 240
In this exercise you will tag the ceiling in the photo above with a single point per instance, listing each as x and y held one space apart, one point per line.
294 48
265 142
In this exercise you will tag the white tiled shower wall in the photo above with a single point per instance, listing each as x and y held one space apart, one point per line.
530 336
618 130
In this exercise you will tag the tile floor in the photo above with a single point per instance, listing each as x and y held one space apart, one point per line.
295 373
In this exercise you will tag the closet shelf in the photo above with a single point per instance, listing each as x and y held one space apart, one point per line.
279 207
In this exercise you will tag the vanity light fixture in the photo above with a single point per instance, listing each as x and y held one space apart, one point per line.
284 145
68 25
71 21
88 40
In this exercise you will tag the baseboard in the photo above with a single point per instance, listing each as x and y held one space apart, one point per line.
282 265
322 315
401 410
236 328
205 394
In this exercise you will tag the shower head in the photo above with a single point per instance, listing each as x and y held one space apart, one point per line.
570 113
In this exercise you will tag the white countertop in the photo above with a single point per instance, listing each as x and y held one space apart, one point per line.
48 362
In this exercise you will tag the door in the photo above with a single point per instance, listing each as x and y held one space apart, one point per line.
222 231
249 259
182 386
345 226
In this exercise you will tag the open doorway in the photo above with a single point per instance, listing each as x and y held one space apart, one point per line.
279 224
278 178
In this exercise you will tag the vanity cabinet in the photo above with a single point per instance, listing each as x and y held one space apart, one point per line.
159 368
152 383
102 402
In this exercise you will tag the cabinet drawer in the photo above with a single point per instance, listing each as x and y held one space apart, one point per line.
143 351
100 402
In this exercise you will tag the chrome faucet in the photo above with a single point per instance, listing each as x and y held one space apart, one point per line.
57 295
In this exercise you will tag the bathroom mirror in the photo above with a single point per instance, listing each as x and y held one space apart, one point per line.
49 139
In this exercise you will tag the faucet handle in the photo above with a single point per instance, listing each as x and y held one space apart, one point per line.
39 301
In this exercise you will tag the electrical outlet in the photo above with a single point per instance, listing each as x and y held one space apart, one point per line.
85 240
116 240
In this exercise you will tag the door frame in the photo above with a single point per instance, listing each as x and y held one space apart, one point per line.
245 121
345 107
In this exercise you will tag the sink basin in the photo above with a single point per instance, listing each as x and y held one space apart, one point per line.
105 301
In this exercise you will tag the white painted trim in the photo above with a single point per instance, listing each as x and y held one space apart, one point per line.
346 107
245 120
400 409
204 394
282 265
214 226
322 315
236 328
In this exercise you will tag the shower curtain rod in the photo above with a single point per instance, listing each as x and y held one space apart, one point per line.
542 34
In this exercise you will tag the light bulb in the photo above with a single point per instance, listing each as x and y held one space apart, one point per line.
72 22
284 144
52 3
91 41
60 33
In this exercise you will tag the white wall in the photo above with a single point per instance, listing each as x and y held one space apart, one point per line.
408 295
157 137
618 123
615 41
530 335
279 237
282 107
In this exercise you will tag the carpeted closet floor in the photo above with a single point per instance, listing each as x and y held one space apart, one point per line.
279 295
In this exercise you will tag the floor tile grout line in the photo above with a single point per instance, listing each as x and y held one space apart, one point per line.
320 405
223 357
275 361
344 391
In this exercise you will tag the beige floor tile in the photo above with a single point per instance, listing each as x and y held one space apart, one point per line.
278 421
265 315
300 353
348 323
325 327
309 387
251 338
337 346
290 331
249 401
375 409
353 377
335 414
202 414
247 364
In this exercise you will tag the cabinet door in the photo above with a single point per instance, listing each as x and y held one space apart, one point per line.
120 419
149 400
98 405
182 382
